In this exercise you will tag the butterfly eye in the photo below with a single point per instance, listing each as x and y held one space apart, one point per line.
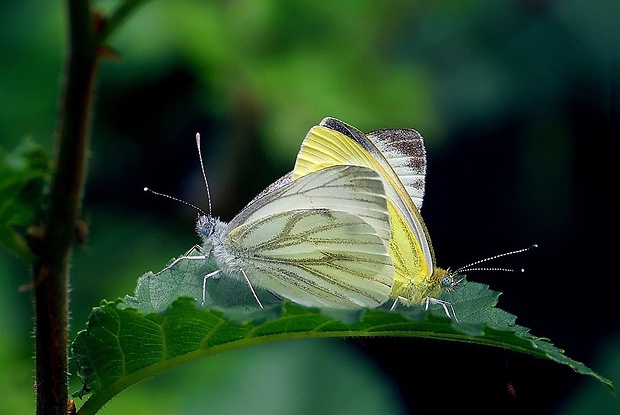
205 226
447 281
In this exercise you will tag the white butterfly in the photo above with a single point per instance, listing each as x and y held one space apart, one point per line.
321 240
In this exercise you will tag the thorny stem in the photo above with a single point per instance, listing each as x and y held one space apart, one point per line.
51 271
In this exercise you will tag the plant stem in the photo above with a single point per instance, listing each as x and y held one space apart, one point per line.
51 271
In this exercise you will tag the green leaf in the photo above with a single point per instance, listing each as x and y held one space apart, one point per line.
23 175
123 345
156 292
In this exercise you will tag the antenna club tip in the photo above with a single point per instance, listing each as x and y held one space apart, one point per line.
534 246
522 270
146 189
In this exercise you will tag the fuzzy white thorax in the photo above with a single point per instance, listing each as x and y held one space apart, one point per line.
213 231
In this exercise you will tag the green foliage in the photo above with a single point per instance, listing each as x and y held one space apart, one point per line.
24 173
450 69
123 345
157 292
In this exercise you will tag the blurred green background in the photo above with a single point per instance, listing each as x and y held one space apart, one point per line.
518 102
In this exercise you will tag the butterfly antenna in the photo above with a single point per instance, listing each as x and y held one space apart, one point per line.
146 189
470 267
204 175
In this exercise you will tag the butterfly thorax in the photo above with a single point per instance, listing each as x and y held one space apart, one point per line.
213 232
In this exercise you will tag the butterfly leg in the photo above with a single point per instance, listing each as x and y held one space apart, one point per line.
251 288
187 255
447 306
204 284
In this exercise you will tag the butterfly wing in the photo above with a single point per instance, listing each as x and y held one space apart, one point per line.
315 257
399 152
403 150
325 147
281 182
390 153
353 189
321 240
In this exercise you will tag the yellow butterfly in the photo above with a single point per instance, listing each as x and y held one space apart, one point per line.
398 155
322 240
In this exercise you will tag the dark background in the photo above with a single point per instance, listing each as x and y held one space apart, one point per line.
518 104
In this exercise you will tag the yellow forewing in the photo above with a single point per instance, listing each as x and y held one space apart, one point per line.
324 147
415 275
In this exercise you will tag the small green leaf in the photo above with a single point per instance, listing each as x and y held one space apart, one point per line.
123 345
156 292
23 175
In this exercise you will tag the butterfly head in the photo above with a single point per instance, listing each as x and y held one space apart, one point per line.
450 281
205 226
